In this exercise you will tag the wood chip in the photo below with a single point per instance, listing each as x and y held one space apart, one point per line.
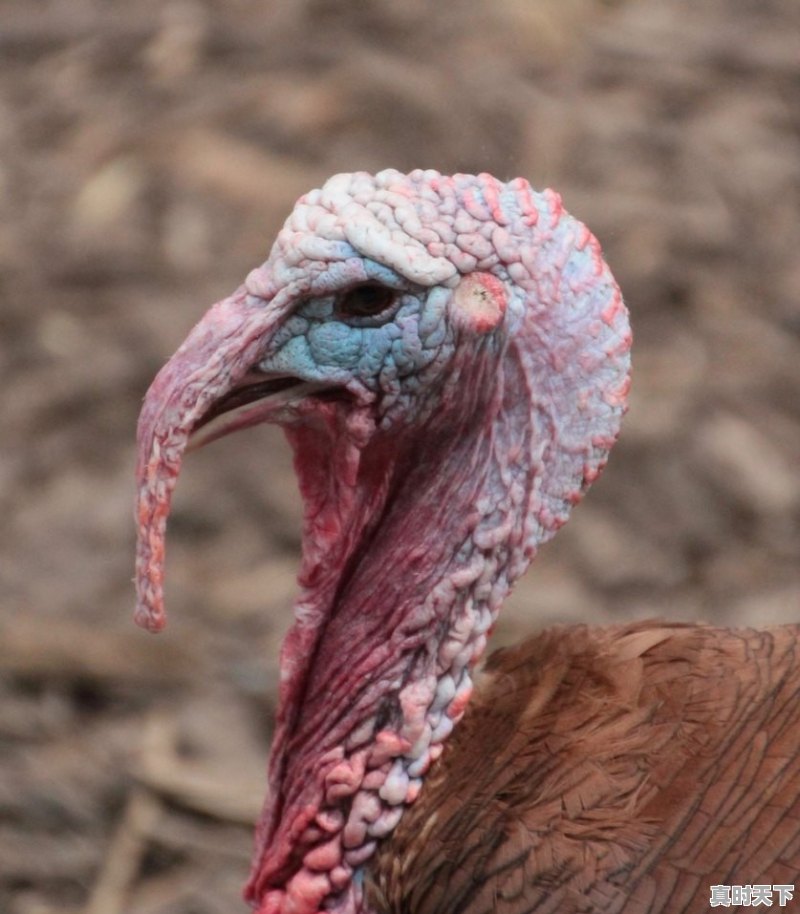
125 854
193 785
56 649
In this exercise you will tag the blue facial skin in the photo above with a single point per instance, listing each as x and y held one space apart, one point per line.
376 352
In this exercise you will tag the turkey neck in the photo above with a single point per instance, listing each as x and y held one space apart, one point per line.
407 543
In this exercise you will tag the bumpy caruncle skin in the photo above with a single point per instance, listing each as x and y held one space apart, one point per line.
467 416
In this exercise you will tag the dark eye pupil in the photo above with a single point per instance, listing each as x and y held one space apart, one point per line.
366 300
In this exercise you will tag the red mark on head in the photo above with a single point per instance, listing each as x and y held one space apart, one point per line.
479 302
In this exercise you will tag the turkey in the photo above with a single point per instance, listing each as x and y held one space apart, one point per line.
449 358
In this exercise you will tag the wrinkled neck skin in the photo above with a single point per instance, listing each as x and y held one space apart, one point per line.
410 544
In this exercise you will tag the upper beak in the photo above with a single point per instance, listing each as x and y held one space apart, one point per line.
208 380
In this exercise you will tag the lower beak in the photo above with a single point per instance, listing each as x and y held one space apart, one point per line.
255 400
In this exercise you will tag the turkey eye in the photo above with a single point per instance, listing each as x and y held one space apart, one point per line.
366 301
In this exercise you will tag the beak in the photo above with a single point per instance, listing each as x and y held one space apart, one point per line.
257 397
206 390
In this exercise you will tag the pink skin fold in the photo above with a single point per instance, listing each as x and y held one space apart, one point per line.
215 356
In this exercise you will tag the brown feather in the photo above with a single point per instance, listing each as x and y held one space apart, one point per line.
609 770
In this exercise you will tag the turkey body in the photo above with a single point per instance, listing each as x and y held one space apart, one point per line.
620 770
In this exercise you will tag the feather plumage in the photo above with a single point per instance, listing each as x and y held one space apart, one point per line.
630 768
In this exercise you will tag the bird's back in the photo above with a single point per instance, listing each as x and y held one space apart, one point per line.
624 769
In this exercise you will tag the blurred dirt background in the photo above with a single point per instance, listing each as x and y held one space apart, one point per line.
148 152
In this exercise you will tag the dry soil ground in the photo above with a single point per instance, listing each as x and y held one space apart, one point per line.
148 151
